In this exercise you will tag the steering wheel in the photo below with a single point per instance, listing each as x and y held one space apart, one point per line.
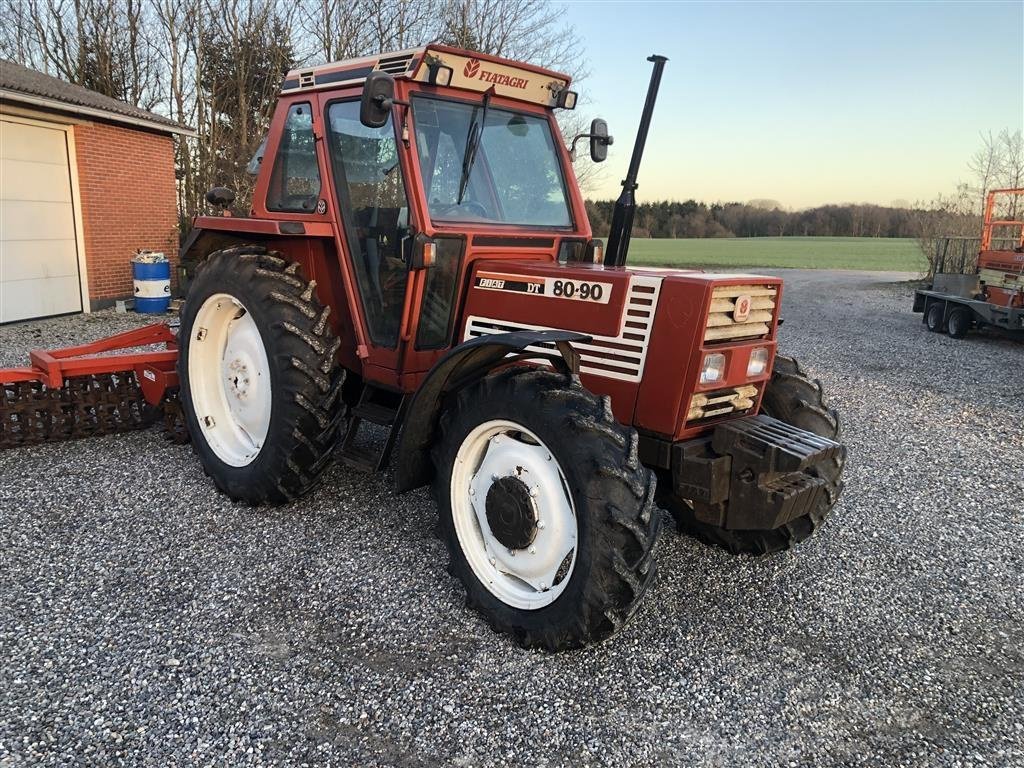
470 206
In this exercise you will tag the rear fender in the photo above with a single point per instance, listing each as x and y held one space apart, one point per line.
200 243
460 367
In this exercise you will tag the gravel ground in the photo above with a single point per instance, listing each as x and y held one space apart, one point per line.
146 620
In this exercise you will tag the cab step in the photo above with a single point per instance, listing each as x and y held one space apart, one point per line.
376 406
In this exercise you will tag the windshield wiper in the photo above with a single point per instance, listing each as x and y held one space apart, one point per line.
472 144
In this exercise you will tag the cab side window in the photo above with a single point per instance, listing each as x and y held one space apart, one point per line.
295 182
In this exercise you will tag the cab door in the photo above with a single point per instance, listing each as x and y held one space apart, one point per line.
372 201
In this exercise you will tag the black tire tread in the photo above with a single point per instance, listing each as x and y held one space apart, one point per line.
619 500
940 326
304 348
956 327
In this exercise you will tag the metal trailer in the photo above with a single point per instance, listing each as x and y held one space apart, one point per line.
992 294
958 314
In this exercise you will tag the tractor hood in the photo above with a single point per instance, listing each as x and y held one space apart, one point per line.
650 328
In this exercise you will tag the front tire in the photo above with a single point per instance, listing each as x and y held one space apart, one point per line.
794 398
545 509
260 386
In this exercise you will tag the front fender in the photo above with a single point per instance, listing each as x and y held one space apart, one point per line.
463 365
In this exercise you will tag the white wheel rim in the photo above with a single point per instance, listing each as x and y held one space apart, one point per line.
533 576
229 380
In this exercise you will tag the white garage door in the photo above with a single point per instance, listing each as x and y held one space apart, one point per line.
38 255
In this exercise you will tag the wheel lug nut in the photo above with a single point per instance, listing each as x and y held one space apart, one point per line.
472 491
534 492
494 478
533 550
540 524
491 560
543 586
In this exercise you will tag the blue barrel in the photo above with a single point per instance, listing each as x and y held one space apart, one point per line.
152 285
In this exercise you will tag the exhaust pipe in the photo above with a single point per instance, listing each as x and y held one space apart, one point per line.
625 206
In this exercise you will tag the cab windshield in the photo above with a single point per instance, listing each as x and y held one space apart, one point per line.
514 178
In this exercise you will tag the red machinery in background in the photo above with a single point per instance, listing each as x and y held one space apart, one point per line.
1001 271
124 390
993 293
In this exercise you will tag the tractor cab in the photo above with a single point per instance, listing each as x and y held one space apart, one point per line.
413 165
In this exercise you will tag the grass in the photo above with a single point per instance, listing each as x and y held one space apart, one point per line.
867 253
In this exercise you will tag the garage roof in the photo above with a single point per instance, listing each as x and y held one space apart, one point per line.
27 86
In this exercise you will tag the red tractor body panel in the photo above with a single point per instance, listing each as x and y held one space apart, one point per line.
643 322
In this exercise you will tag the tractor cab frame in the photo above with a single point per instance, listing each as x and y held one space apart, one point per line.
375 214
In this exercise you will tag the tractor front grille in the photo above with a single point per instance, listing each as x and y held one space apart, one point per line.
620 357
735 400
723 322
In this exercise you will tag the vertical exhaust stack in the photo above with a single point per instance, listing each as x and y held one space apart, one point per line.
625 206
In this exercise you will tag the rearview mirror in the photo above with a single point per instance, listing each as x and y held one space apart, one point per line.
378 98
599 140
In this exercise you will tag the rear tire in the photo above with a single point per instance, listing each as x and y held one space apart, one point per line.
604 499
792 397
261 398
959 322
934 318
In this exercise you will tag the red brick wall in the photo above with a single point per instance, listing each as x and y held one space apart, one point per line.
126 181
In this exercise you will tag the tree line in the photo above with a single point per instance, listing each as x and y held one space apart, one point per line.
997 164
690 218
217 65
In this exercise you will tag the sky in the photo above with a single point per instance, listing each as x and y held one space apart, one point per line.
804 103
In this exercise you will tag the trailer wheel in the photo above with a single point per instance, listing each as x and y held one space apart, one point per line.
792 397
934 318
959 322
546 511
260 387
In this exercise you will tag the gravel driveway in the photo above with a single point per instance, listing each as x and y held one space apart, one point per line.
146 620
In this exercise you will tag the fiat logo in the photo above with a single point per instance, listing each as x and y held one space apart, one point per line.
742 310
471 69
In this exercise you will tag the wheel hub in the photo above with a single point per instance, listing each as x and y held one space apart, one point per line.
511 513
238 378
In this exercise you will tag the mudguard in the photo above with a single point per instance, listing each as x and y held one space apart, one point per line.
461 366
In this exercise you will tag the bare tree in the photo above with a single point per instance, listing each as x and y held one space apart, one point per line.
333 30
103 45
1011 168
217 65
984 165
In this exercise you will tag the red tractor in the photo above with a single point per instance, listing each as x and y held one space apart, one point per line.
418 257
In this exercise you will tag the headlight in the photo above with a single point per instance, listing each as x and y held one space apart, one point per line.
713 368
758 363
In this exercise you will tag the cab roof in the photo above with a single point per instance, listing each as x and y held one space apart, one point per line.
469 71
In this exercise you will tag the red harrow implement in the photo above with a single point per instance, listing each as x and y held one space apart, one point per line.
85 391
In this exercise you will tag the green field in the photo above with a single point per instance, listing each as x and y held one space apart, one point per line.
869 253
